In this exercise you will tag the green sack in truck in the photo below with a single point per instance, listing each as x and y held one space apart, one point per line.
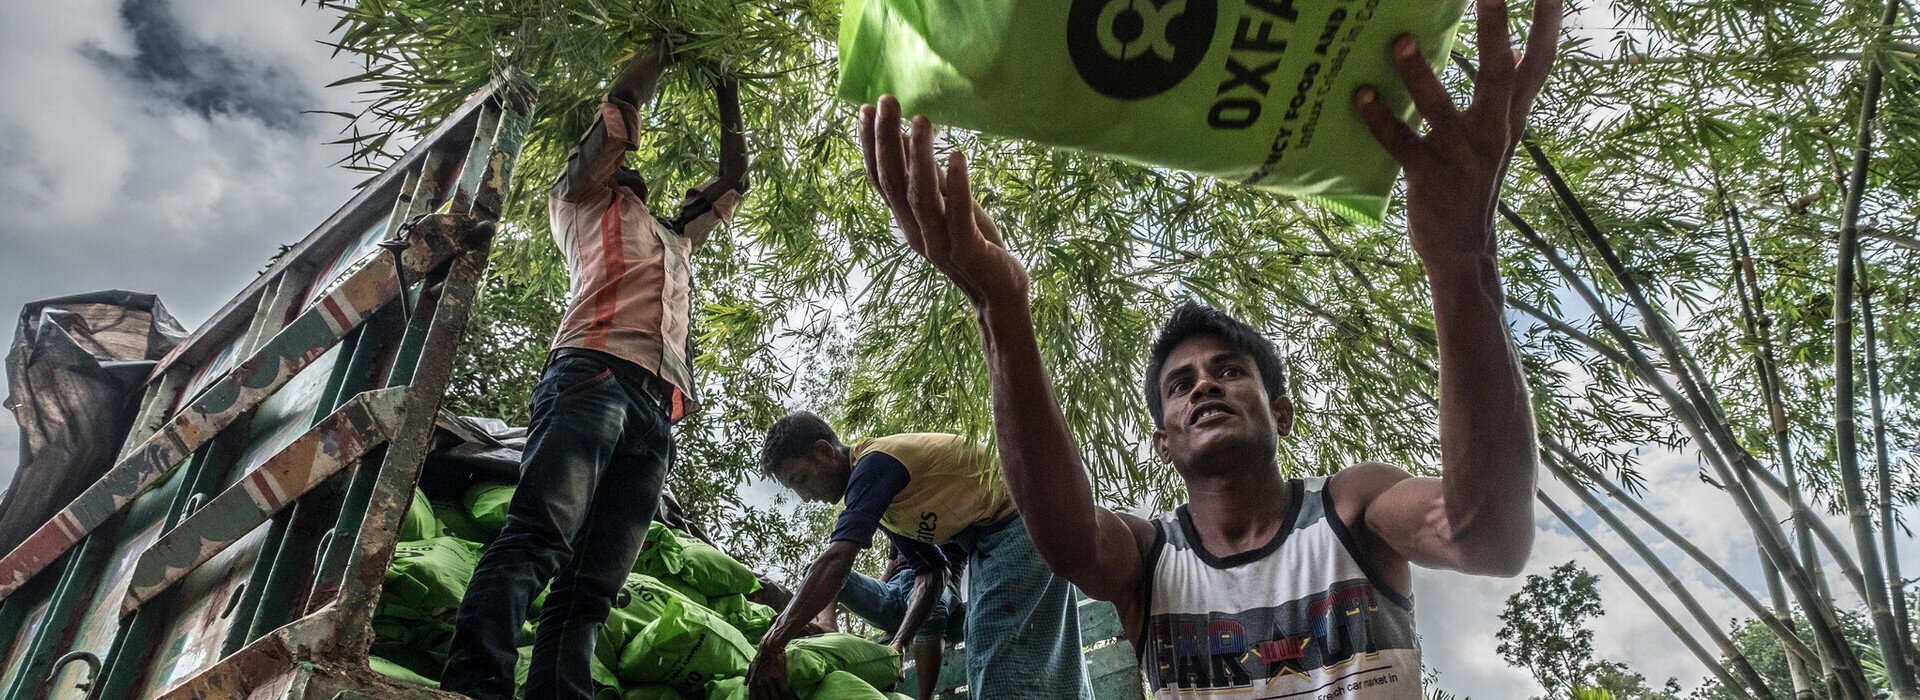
841 685
420 522
428 578
686 648
1252 91
810 660
487 503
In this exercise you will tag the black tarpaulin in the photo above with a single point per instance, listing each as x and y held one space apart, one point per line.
75 375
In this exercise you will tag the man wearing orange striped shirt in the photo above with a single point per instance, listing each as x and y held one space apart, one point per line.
619 375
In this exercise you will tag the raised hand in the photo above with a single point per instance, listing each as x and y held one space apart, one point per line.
1454 170
942 221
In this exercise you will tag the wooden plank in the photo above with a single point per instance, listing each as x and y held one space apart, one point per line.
343 437
240 391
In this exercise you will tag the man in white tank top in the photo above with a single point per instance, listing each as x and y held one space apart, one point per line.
1263 586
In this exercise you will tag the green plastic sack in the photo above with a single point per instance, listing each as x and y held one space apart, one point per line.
428 577
711 571
420 522
650 691
841 685
520 669
662 544
1251 91
487 502
811 660
752 619
456 522
399 672
687 647
641 600
418 645
703 569
727 689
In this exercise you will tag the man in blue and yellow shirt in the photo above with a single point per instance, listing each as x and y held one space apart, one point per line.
925 490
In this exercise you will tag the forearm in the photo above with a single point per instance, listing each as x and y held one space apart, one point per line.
640 79
1038 458
1487 444
819 590
927 588
926 661
733 136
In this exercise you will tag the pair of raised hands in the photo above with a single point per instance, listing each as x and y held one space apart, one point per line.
1453 171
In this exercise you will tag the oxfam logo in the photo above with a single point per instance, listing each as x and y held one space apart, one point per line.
1132 49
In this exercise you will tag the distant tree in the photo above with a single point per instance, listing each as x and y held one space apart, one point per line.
1623 683
1763 649
1544 628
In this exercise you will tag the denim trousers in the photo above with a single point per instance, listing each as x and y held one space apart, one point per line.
883 604
590 479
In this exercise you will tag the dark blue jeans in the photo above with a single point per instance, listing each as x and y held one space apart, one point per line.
883 604
590 479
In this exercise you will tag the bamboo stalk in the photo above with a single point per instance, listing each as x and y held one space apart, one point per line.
1750 314
1771 384
1660 569
1659 610
1846 449
1896 584
1788 638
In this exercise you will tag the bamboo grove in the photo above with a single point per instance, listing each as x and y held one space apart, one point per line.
1711 243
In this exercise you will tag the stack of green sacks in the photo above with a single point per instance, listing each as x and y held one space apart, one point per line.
414 622
680 624
834 666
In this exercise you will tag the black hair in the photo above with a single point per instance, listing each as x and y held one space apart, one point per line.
793 436
1192 319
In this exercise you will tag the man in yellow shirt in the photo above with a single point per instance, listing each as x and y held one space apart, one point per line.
925 490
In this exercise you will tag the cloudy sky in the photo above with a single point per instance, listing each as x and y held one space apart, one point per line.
162 146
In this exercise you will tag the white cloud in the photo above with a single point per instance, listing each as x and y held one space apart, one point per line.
158 145
1458 615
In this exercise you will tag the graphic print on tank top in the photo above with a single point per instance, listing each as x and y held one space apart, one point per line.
1297 619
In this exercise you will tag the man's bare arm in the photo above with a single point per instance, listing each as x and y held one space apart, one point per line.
1088 545
640 79
1478 517
767 675
733 135
928 586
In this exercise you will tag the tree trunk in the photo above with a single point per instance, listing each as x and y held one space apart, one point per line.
1746 281
1753 507
1846 449
1896 584
1680 631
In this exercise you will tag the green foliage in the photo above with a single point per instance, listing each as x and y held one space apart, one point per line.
1544 628
1622 683
1763 650
810 301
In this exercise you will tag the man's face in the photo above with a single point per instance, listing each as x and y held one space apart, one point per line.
1215 409
818 477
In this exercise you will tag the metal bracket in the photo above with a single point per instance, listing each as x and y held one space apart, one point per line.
93 671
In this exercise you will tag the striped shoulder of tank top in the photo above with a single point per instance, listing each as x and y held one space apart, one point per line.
1300 618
